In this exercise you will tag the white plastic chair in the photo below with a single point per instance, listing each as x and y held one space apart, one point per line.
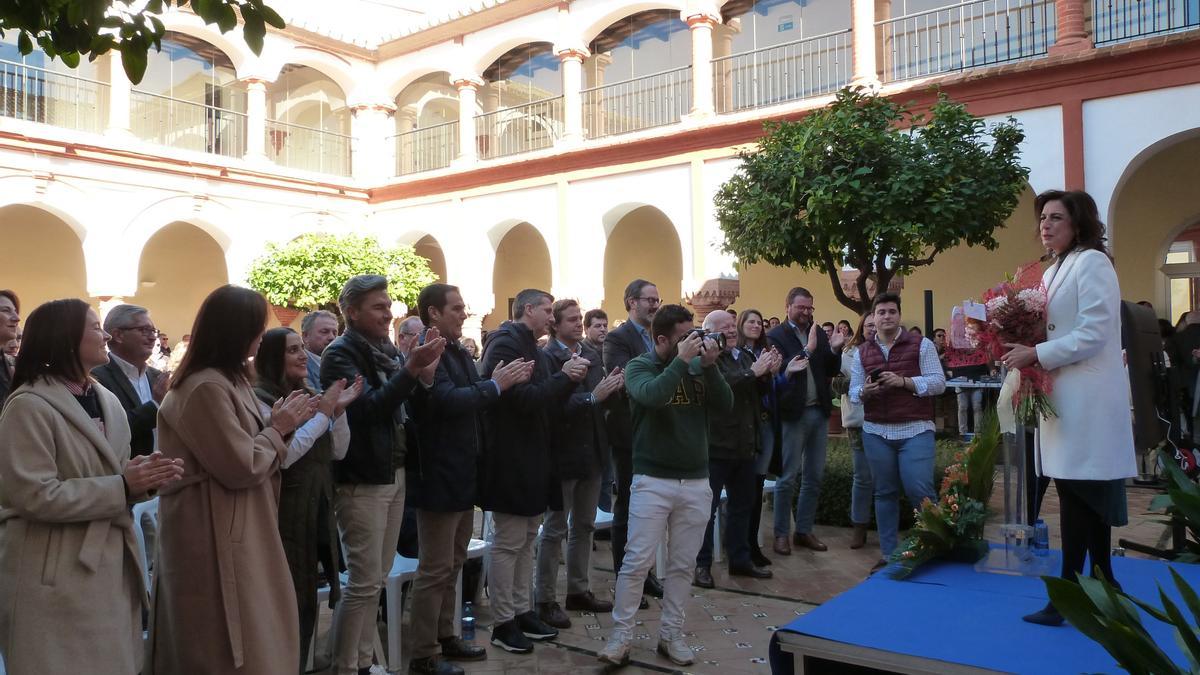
141 511
718 519
403 569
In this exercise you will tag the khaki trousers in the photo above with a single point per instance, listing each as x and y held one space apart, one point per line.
444 538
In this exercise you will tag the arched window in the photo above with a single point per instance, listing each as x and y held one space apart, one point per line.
426 124
309 124
521 101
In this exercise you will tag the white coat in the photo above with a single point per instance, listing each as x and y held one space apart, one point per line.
1092 436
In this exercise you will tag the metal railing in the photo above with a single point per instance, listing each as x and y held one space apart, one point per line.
50 97
967 35
426 149
307 148
786 72
640 103
522 128
1116 20
187 124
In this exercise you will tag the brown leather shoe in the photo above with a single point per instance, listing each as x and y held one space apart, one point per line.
859 539
810 541
783 546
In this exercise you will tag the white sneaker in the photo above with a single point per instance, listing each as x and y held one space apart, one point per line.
675 649
616 650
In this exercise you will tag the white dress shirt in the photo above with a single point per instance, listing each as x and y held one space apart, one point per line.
308 433
140 382
931 382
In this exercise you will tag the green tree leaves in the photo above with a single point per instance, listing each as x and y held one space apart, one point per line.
866 183
309 271
67 29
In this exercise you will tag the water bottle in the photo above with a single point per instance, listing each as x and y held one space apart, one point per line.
468 623
1041 538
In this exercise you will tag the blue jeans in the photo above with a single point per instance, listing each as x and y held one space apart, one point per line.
803 445
907 462
863 490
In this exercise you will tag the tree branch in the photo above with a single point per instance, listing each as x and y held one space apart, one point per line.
831 268
918 262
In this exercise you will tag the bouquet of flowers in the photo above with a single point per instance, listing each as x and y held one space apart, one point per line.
1016 314
952 527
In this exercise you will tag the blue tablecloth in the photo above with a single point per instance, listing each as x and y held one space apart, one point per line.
951 613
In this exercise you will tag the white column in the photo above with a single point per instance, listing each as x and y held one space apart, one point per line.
370 128
119 90
572 86
107 304
862 33
256 120
702 73
467 89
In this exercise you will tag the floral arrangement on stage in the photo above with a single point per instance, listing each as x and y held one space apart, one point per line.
952 527
1016 314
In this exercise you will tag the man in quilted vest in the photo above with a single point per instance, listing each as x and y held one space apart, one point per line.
896 377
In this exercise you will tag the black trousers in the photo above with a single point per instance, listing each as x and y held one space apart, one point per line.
623 462
1084 535
736 476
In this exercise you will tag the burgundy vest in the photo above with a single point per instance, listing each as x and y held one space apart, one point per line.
895 405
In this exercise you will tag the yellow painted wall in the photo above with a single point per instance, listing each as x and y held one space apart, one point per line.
642 245
1158 201
429 248
522 261
41 257
184 264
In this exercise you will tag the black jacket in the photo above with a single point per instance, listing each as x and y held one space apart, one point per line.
734 435
5 381
824 364
621 346
578 439
371 416
143 417
449 435
516 473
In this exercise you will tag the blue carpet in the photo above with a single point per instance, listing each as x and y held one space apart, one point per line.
948 612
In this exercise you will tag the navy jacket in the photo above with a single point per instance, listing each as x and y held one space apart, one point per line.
621 346
822 360
578 439
143 417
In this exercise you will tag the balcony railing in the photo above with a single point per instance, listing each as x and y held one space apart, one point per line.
426 149
49 97
787 72
1116 20
309 149
640 103
522 128
187 124
967 35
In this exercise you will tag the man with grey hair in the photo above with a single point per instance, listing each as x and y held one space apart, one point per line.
369 481
515 480
139 387
317 330
407 334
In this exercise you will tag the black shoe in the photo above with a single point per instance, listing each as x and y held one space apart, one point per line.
587 602
534 628
652 587
603 535
703 578
1046 616
432 665
644 604
551 614
757 557
749 571
458 649
508 636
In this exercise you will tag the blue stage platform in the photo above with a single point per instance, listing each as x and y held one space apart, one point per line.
947 618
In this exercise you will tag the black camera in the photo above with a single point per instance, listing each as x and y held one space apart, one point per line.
718 338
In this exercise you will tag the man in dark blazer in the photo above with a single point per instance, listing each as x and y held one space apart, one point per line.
137 386
803 404
629 340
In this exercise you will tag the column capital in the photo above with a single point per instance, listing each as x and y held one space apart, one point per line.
386 107
572 53
467 82
701 19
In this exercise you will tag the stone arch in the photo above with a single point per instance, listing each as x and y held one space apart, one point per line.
338 70
214 218
245 63
593 21
179 265
497 49
521 259
44 256
642 242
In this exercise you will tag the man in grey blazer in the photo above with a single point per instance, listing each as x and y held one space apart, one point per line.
137 386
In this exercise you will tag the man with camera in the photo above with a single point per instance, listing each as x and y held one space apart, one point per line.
673 391
733 442
896 377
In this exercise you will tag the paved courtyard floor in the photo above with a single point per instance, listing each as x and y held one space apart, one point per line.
730 626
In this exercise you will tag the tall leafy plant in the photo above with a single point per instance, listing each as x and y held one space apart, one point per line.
1182 504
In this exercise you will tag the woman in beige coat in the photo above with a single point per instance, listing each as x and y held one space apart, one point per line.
71 590
223 598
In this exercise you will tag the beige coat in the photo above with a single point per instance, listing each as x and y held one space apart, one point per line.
223 597
71 589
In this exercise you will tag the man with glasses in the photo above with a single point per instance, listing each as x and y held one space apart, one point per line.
406 336
137 386
624 343
803 404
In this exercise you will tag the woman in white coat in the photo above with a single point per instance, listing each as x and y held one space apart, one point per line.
71 590
1088 448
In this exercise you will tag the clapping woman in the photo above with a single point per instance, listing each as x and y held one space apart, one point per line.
1088 448
71 589
306 496
752 335
224 601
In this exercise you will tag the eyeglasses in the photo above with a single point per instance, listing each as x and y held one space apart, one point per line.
407 334
652 301
148 331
